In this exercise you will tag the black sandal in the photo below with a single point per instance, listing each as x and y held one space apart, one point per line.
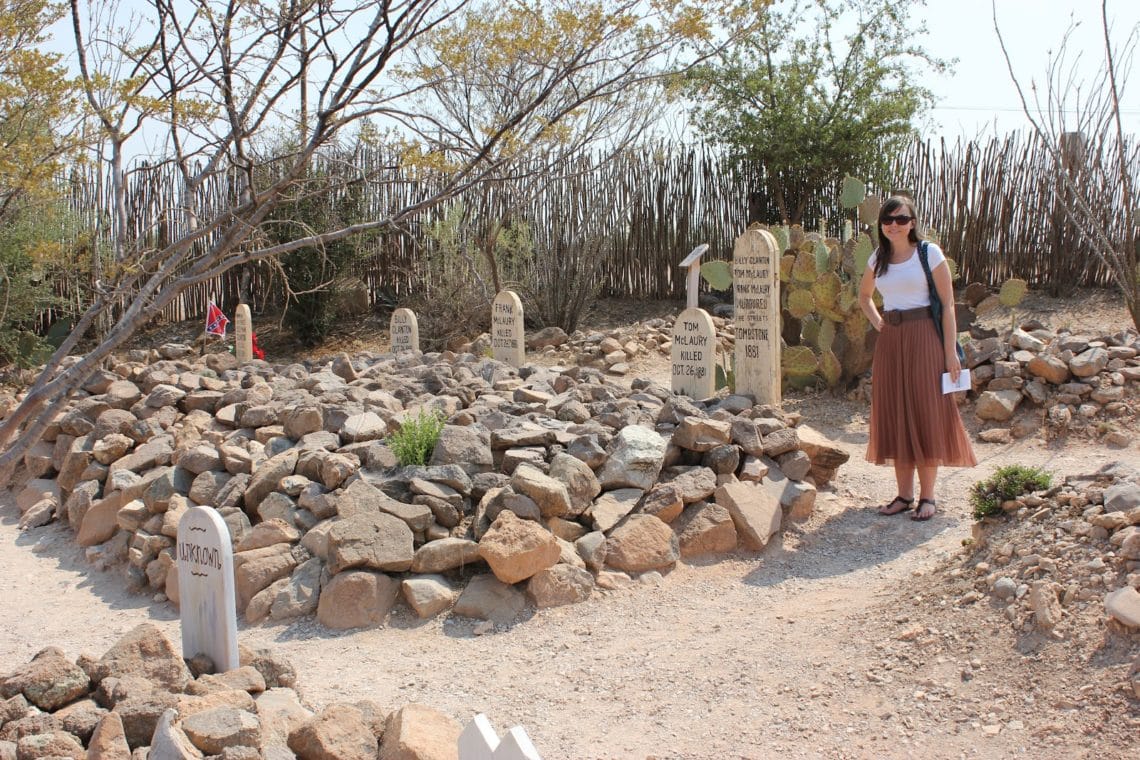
917 516
907 504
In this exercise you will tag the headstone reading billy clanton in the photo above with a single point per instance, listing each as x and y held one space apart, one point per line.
756 302
507 332
243 334
207 603
404 330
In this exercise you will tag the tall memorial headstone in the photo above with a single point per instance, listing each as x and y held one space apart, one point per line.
508 336
404 330
756 305
207 600
694 354
243 334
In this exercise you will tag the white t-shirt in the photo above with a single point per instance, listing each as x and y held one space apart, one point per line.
904 285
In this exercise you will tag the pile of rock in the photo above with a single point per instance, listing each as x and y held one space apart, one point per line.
141 697
1078 382
1057 555
1035 380
556 482
613 350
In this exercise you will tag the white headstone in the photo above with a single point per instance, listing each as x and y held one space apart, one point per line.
694 354
207 602
404 330
508 336
756 307
243 334
480 742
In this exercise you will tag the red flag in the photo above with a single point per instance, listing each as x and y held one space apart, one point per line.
215 320
257 352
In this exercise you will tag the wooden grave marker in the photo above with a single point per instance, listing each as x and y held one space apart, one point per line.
508 335
207 599
243 334
756 307
404 330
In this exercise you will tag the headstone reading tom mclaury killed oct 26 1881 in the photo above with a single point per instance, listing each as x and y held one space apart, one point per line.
756 301
404 330
694 354
206 594
508 335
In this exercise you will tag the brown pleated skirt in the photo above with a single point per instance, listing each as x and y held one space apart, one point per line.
912 422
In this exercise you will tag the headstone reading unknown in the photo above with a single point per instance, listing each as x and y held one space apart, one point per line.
243 334
756 294
207 603
404 330
507 332
694 354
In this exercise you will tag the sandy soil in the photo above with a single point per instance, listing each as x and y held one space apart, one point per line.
842 640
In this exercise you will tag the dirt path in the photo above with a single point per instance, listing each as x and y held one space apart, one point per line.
795 652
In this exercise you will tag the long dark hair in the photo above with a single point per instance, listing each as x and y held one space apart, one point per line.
890 207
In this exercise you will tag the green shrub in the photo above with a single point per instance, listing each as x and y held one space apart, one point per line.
1007 483
414 442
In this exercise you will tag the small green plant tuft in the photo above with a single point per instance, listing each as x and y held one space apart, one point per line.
1007 483
414 442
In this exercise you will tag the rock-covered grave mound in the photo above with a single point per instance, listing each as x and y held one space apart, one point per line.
1085 381
545 483
141 699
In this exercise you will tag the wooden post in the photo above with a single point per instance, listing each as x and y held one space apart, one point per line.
692 264
756 297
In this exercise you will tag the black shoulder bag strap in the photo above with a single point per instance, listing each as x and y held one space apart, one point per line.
935 301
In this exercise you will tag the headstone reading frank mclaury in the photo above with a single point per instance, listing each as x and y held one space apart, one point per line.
507 332
693 354
756 303
207 602
404 330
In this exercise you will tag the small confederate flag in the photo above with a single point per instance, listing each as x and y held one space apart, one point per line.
215 320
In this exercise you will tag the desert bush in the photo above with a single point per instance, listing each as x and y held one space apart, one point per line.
1009 482
414 442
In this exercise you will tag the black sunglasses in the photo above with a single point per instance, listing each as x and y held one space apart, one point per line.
896 219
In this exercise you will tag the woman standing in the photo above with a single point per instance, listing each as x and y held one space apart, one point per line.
913 425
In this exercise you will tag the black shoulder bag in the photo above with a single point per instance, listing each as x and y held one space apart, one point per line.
935 301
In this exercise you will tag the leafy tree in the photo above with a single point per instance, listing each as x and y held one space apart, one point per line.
37 102
37 133
211 79
824 89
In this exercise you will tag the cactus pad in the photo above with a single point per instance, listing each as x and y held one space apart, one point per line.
1012 291
826 289
800 302
804 269
799 361
718 274
830 368
852 193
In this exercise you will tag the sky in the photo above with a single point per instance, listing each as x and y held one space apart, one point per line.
979 97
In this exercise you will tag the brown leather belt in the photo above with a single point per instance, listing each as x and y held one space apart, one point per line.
898 316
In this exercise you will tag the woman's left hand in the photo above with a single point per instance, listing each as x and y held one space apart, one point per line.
953 365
